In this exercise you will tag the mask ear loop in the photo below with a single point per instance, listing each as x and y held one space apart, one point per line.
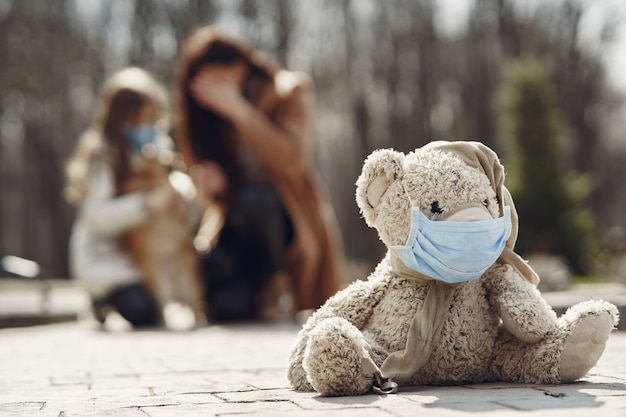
408 196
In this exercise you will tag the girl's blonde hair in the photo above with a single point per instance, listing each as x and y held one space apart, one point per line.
123 95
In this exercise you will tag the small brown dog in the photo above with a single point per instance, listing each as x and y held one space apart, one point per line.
162 249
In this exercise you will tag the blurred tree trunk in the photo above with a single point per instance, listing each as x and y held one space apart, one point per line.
43 55
284 27
359 241
483 66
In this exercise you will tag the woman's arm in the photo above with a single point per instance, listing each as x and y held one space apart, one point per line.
283 138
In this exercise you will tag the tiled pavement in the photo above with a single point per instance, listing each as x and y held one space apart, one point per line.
74 369
77 369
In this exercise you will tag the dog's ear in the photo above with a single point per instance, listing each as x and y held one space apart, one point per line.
381 169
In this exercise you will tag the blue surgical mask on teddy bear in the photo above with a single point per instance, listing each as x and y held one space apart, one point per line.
141 135
453 251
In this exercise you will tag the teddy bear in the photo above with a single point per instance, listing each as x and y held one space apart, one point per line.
451 302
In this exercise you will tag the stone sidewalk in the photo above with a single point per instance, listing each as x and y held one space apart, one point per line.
77 369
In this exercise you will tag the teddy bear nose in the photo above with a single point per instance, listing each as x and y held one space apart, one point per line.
467 213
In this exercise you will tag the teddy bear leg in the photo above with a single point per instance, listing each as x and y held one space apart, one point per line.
530 363
589 324
563 355
336 359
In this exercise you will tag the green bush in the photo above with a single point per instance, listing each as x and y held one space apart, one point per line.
550 198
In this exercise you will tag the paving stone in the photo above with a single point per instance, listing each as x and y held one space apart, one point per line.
22 408
267 408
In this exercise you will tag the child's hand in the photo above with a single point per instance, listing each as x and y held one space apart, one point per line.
163 199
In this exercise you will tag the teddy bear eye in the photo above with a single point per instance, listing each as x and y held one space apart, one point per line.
434 208
486 203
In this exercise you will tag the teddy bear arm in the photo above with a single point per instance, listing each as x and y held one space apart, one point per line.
523 311
354 303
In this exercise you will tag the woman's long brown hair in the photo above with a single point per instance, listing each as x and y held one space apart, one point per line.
203 135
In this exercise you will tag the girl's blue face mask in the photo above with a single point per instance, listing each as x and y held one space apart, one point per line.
141 135
452 251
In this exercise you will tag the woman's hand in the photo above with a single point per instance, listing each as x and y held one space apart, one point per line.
219 92
210 179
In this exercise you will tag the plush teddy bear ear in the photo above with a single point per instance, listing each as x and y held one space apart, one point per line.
380 169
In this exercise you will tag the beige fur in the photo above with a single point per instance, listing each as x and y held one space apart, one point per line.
498 327
162 248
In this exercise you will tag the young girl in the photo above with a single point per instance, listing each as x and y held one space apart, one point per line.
132 104
246 129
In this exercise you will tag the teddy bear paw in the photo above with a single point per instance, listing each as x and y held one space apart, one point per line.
334 357
585 344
